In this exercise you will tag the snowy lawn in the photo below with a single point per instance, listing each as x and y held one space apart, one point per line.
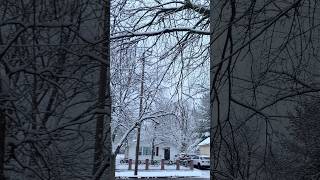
154 171
159 173
204 173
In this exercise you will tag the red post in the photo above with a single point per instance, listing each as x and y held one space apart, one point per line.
130 164
177 164
191 164
147 164
162 164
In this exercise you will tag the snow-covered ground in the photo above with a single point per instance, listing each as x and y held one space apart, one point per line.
165 173
204 173
154 171
160 173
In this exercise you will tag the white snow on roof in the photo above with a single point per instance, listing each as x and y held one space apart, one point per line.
205 142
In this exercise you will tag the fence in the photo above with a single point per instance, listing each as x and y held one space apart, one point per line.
162 164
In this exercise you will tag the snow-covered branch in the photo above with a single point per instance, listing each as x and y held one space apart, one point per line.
124 137
160 32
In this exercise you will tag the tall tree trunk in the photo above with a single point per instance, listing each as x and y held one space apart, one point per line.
140 114
104 102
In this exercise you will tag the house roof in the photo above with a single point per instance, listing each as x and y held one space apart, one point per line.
205 142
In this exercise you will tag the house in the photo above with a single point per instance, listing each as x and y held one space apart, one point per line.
162 150
204 147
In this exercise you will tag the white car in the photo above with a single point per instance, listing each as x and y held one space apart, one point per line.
201 161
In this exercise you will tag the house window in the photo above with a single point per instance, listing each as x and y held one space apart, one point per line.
140 150
157 151
146 151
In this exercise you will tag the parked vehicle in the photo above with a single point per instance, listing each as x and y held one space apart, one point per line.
155 162
201 161
182 156
191 156
124 161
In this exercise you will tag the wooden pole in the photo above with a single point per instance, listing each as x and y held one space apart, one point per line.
162 164
130 164
140 114
191 164
177 164
147 164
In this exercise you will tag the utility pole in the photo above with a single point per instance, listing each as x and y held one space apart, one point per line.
152 145
140 114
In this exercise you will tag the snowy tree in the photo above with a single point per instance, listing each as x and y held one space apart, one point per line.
202 116
263 58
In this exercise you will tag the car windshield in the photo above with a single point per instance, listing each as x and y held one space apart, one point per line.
205 158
